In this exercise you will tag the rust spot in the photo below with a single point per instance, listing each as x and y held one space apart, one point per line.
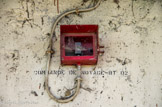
39 85
34 93
121 98
124 62
116 1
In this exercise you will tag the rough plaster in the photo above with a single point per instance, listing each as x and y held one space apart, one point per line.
131 34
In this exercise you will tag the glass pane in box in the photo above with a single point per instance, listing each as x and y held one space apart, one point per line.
78 46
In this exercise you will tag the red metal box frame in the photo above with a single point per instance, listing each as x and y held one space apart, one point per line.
79 31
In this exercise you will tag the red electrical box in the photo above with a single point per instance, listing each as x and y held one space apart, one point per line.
79 44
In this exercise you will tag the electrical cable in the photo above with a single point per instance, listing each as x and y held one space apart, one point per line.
50 51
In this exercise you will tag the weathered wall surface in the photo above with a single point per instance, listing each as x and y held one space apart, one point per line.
131 32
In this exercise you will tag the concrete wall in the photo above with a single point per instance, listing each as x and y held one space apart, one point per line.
129 73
